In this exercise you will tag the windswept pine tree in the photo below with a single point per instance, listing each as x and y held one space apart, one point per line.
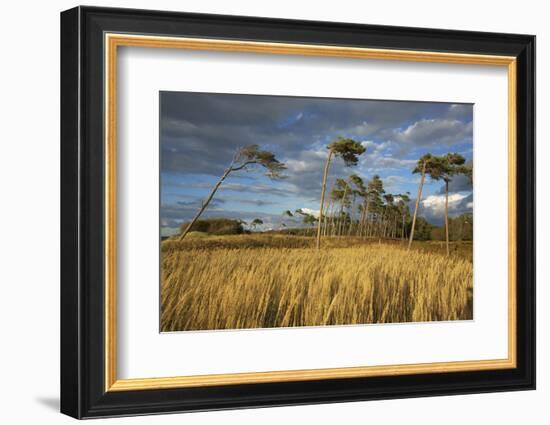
245 158
348 150
256 222
388 213
403 208
341 194
357 189
308 219
427 164
286 214
371 204
450 165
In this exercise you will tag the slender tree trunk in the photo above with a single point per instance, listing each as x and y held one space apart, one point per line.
341 218
328 212
364 230
205 203
370 225
447 215
383 225
362 221
359 230
332 219
417 202
325 219
325 173
351 216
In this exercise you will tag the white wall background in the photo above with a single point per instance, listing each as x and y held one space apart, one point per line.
29 212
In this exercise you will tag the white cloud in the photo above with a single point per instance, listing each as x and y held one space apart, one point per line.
370 146
433 206
376 162
314 213
391 182
459 110
436 203
363 129
429 131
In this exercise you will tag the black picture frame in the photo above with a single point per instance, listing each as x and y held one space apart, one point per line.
82 212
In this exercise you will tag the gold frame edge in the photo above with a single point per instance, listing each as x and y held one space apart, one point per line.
113 41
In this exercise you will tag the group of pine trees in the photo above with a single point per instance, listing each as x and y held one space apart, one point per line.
363 208
381 214
352 206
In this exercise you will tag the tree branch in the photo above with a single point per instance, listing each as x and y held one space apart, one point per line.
240 167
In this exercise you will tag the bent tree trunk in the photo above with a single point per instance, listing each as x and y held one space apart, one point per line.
205 204
417 202
325 173
447 215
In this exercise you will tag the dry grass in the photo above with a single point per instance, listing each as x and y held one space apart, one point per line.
262 281
200 240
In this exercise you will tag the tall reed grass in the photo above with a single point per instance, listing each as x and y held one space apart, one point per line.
215 285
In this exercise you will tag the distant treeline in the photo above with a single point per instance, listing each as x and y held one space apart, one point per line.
460 228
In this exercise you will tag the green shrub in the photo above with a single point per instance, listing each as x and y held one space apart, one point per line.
216 226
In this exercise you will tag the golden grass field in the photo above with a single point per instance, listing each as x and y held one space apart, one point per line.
270 280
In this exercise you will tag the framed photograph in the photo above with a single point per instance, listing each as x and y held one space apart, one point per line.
261 212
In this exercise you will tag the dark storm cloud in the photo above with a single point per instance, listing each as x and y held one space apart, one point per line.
196 203
234 187
256 202
173 215
459 183
220 201
200 132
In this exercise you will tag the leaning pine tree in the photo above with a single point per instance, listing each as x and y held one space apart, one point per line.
348 150
403 208
451 164
375 189
246 157
358 189
427 164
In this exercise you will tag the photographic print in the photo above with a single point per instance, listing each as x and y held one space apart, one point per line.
279 211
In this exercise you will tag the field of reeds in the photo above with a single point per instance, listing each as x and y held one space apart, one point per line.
264 281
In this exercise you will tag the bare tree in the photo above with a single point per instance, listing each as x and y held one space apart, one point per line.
247 157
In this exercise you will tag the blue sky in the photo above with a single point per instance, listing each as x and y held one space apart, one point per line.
200 132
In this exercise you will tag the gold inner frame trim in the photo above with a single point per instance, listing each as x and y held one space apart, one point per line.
113 41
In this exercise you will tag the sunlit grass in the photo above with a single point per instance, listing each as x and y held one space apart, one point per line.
262 281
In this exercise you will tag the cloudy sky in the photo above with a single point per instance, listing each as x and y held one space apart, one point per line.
200 132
